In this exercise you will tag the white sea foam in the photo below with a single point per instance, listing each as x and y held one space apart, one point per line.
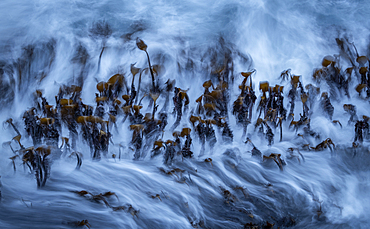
269 36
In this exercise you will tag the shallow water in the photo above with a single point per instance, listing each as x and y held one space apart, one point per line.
185 37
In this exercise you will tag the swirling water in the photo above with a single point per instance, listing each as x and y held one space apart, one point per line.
185 37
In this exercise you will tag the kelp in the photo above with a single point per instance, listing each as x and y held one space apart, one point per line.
147 125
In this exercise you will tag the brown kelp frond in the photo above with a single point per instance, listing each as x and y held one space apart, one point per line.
277 159
82 223
327 143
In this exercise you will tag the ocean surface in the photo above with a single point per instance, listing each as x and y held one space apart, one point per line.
47 44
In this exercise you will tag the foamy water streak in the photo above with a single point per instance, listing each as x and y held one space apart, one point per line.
184 37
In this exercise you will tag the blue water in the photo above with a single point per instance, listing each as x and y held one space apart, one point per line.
185 38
